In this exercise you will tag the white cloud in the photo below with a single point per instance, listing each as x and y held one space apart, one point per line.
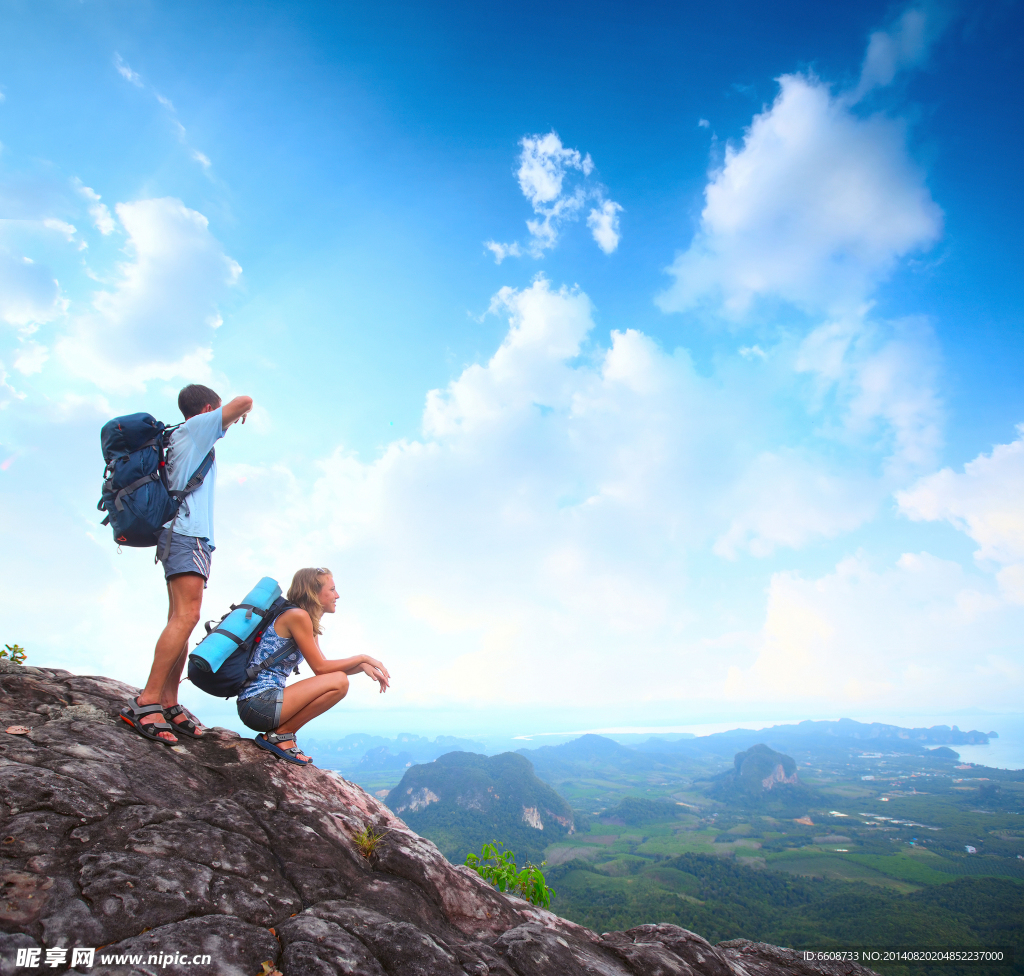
543 164
125 71
7 394
985 501
62 227
604 225
502 251
157 320
904 45
544 167
31 358
75 406
101 217
814 209
785 498
857 635
29 294
560 509
883 377
551 513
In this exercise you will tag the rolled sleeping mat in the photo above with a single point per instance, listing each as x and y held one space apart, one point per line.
240 623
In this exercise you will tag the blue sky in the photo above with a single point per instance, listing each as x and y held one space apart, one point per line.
626 364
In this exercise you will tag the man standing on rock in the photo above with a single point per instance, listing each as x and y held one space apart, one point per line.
185 548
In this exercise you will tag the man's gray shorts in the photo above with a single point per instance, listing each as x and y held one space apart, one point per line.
187 554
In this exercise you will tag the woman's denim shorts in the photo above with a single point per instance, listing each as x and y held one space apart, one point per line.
262 712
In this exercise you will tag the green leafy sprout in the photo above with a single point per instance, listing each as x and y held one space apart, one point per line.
498 866
367 840
14 653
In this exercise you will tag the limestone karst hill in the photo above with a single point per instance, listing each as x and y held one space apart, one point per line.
463 800
215 848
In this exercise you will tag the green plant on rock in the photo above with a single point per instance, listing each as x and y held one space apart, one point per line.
498 866
14 653
367 840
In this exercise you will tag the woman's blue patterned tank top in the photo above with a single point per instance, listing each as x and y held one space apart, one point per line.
275 676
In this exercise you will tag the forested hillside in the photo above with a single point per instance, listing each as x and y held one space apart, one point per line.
463 800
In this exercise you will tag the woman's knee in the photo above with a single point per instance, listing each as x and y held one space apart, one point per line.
341 684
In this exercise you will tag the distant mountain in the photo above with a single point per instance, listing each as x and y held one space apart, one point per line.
819 738
463 800
761 768
362 752
587 755
763 779
381 759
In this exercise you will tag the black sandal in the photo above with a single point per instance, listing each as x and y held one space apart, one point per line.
133 712
189 727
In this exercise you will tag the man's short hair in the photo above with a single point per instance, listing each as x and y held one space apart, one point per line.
194 397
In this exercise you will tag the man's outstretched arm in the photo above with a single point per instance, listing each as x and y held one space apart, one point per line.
232 411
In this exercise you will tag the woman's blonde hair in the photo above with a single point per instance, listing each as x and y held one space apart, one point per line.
305 592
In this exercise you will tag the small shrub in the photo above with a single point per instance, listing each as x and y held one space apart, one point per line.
367 841
13 653
498 866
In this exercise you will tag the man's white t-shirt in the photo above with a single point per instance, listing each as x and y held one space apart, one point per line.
190 443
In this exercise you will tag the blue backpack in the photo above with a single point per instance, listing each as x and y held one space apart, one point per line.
136 495
221 662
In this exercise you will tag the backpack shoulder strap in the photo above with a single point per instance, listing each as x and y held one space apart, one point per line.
179 497
279 606
196 480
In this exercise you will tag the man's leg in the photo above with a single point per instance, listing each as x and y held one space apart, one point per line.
169 696
185 596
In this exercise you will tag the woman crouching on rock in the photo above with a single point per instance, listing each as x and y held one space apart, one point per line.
266 704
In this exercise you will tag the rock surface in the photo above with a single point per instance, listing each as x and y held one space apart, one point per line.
215 848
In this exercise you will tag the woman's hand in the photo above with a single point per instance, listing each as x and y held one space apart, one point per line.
374 669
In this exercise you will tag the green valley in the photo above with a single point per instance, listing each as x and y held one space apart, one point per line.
887 842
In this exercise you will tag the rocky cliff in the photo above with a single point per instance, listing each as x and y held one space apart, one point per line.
214 848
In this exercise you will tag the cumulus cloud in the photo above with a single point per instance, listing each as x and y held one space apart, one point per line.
862 636
813 208
502 251
545 166
551 512
985 501
604 225
157 320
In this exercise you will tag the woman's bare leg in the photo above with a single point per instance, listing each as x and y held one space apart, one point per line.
306 699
